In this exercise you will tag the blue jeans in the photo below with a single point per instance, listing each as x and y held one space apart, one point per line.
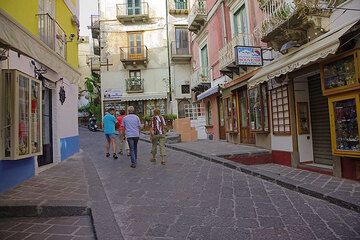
133 141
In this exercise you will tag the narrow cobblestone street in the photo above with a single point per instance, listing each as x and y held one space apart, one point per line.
191 198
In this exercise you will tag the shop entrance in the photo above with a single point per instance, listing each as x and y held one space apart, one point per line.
222 130
47 157
320 124
245 135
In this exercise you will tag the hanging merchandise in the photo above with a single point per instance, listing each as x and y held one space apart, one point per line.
62 95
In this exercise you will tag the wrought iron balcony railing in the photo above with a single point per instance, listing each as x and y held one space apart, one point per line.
52 34
133 54
180 51
197 16
95 26
178 7
96 46
134 85
136 11
200 76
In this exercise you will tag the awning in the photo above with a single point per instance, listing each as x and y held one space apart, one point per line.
142 97
317 49
21 40
208 92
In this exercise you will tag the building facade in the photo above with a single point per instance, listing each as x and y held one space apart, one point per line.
38 64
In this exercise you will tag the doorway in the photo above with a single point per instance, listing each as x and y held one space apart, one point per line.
222 130
320 124
245 135
47 156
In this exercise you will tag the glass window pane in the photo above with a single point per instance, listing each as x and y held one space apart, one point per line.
8 114
35 117
23 115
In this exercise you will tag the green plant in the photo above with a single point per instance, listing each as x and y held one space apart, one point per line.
93 88
170 117
146 118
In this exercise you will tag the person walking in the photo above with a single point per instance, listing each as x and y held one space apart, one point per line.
122 138
131 125
157 136
109 122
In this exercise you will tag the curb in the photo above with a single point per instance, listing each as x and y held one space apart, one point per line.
282 181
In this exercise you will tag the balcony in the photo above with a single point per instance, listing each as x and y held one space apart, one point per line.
96 46
134 85
95 26
52 34
131 13
293 20
134 55
200 80
197 16
227 53
94 62
179 53
178 7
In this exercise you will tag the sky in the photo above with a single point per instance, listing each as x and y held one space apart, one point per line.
87 8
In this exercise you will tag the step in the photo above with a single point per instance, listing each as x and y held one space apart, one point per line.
316 167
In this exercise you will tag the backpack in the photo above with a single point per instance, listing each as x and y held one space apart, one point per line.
156 131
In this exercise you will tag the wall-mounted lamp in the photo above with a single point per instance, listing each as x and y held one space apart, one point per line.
3 54
38 71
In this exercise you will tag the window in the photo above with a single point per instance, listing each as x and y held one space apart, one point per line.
180 4
208 114
204 60
182 41
240 24
21 115
185 89
258 107
47 7
135 74
136 49
134 7
280 110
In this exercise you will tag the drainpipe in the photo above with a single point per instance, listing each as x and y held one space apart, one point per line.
168 52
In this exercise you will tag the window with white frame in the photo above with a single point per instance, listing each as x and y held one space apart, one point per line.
280 110
241 24
208 114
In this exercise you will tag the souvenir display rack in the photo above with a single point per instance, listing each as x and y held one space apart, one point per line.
21 115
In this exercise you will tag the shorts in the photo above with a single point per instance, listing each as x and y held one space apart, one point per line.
110 136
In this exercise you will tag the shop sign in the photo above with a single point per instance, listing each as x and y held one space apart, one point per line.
248 56
112 94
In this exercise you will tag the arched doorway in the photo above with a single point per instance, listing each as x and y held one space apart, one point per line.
181 107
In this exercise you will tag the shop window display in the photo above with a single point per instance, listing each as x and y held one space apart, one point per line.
258 107
340 74
21 115
344 117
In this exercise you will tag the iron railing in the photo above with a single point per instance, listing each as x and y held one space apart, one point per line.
52 34
128 10
134 85
134 53
178 50
199 76
94 62
198 8
95 26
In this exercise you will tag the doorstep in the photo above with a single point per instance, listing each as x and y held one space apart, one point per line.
316 167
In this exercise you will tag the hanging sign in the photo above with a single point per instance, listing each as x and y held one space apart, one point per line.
248 56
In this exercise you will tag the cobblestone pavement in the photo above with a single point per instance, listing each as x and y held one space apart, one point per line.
191 198
60 228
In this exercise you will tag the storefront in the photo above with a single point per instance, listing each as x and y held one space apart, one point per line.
304 106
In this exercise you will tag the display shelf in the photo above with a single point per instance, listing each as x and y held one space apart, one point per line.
341 74
344 123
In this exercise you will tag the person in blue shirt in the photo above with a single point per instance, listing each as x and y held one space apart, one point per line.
132 127
109 122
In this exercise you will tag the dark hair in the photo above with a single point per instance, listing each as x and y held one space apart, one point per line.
122 112
111 109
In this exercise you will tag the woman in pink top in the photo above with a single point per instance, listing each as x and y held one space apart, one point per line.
122 137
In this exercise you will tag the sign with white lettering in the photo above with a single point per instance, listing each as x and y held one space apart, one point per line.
112 94
248 56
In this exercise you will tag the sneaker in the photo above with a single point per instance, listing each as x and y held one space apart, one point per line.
153 160
107 154
133 165
121 153
115 156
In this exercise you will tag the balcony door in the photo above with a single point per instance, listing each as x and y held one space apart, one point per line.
182 41
136 49
241 25
133 7
204 60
